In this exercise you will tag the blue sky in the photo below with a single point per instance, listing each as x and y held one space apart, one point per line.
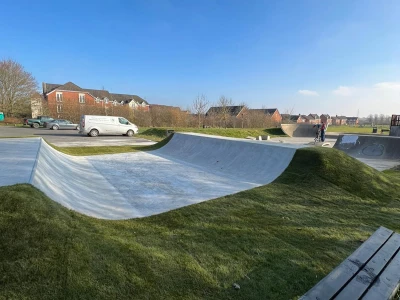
318 56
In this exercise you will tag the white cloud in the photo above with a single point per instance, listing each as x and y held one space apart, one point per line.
308 93
389 86
343 91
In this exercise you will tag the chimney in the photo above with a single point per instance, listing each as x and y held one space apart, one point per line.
44 87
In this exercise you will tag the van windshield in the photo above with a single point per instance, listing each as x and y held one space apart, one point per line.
123 121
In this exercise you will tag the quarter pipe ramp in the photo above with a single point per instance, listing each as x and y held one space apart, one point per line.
299 130
190 169
381 152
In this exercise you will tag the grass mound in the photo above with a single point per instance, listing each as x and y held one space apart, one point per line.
98 150
275 241
156 134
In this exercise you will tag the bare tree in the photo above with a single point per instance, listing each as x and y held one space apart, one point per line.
16 88
370 119
200 106
224 113
244 115
376 119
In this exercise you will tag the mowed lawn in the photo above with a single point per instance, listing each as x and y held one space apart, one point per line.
357 129
275 241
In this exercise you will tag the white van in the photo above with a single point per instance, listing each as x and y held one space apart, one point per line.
96 125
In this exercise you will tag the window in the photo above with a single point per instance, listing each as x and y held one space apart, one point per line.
81 98
59 97
59 108
97 100
123 121
106 100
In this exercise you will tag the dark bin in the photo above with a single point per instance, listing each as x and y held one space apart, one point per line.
374 129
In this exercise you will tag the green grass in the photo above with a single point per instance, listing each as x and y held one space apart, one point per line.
275 241
82 151
157 134
356 129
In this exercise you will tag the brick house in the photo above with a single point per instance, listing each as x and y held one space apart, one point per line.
60 97
339 120
352 121
326 119
270 113
313 119
293 118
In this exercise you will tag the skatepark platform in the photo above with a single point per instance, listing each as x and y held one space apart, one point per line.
380 152
190 169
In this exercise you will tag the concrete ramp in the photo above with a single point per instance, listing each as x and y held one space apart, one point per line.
380 152
299 130
190 169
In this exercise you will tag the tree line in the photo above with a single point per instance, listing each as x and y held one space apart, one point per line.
18 87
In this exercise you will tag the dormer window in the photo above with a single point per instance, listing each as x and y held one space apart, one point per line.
106 100
97 100
59 97
81 98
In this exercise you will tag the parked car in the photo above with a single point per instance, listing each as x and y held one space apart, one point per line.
39 121
99 125
61 124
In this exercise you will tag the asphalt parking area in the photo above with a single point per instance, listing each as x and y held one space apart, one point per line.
72 138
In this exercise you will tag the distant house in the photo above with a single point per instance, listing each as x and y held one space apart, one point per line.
233 111
339 120
36 105
313 119
326 119
59 97
271 113
352 121
297 118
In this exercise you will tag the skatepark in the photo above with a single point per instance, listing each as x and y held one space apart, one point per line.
189 169
245 211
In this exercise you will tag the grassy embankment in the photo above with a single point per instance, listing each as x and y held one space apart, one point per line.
275 241
159 134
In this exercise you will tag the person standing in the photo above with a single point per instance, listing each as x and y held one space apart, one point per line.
323 129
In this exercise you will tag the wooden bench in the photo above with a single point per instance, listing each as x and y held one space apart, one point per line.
372 272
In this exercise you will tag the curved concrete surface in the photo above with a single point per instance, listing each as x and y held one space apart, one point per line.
191 168
299 130
380 152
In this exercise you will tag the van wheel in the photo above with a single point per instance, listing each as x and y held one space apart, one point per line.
94 132
130 133
35 125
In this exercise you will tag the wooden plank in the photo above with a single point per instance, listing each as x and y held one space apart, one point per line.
334 281
364 279
386 286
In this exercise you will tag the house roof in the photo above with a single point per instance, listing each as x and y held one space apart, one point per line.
295 117
339 117
128 98
267 111
98 93
314 116
352 118
232 110
70 86
326 115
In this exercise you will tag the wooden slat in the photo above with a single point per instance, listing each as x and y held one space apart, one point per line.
363 280
388 282
334 281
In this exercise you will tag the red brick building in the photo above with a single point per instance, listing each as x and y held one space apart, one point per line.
68 97
326 119
271 113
